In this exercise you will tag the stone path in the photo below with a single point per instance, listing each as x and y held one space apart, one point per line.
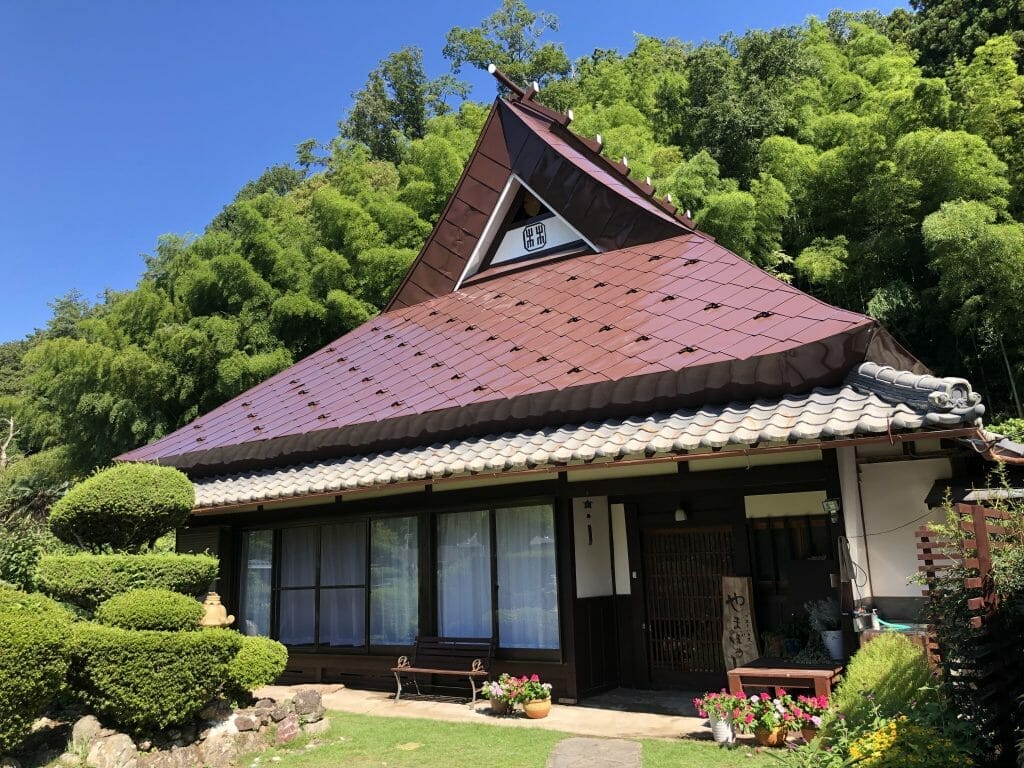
595 753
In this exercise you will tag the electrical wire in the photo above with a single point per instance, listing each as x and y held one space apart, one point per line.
897 528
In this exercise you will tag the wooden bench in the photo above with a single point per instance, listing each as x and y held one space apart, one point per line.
468 657
774 673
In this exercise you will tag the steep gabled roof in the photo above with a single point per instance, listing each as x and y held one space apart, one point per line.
660 326
568 172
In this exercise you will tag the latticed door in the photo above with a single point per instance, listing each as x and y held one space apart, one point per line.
683 571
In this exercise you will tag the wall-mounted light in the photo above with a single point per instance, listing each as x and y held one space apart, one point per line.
831 508
680 514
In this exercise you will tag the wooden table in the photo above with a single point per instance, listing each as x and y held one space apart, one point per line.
776 673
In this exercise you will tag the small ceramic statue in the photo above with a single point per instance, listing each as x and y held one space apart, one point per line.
216 614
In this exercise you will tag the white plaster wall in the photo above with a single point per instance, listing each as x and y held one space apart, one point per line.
593 560
892 496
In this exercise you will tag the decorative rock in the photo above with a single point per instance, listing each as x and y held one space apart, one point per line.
246 723
218 752
307 701
117 751
218 709
9 762
85 730
279 713
265 703
262 714
145 745
316 727
288 729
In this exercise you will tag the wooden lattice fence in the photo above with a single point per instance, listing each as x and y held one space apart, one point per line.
985 668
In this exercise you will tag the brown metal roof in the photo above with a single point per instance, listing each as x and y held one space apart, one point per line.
677 323
592 193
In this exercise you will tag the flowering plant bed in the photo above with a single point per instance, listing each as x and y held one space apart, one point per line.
720 706
809 710
516 690
765 713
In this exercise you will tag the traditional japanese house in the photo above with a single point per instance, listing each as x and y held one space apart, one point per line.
576 416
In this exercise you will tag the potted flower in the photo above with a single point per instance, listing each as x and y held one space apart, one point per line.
536 697
722 709
808 711
823 616
769 718
503 693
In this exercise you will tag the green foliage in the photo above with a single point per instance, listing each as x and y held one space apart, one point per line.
142 680
260 661
155 609
508 38
887 677
86 580
124 507
34 661
1011 428
396 103
945 31
22 542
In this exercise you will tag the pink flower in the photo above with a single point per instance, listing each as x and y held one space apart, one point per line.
534 679
782 692
749 718
765 697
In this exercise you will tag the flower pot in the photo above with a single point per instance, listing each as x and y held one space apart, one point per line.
833 641
537 708
775 737
722 730
501 706
809 733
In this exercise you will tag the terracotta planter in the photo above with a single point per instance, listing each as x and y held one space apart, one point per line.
537 708
770 738
809 734
500 706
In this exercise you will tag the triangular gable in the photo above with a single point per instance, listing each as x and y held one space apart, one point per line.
523 142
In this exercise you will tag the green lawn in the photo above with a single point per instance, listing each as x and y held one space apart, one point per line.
361 741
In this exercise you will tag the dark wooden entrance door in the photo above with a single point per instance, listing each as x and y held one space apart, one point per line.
683 569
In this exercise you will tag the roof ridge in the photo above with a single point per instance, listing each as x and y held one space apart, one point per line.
939 393
524 99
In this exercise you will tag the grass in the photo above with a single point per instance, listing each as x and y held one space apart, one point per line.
362 741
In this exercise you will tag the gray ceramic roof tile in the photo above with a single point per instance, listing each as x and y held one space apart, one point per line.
874 400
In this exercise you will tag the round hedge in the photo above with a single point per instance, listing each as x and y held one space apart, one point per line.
156 609
33 660
123 507
142 681
86 580
260 661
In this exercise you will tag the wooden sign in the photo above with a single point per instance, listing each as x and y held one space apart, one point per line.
739 637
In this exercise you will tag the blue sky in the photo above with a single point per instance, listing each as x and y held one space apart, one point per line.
121 121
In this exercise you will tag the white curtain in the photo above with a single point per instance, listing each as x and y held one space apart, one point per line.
464 574
297 607
527 582
254 601
394 581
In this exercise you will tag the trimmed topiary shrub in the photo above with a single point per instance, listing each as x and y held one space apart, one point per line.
142 681
260 661
889 673
123 507
33 660
87 580
156 609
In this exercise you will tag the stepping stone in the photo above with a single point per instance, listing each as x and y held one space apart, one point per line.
595 753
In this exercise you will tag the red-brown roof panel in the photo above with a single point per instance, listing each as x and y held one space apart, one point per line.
489 356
